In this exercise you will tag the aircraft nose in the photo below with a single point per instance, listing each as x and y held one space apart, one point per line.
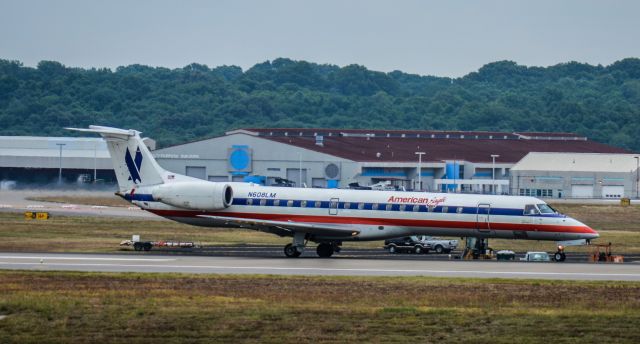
589 233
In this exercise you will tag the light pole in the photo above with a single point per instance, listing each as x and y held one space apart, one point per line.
493 172
637 179
60 170
95 163
420 154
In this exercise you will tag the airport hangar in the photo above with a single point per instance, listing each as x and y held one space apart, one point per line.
453 161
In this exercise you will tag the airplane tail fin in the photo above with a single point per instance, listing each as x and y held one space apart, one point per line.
132 161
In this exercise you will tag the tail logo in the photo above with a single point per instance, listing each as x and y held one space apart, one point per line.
134 165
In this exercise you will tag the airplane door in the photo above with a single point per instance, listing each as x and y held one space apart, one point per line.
483 224
333 206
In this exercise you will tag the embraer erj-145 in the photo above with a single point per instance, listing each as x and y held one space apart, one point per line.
326 216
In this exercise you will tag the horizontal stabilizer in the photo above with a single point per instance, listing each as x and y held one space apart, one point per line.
109 131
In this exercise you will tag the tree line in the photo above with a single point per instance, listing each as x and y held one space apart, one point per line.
183 104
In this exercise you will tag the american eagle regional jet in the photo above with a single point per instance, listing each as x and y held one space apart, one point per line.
326 216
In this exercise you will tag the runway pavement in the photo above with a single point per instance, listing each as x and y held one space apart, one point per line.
18 201
315 266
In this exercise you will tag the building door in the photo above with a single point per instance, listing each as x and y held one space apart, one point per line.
293 174
483 224
613 191
199 172
318 183
582 191
333 206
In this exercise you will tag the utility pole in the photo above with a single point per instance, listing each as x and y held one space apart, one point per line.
60 169
493 172
637 176
300 170
420 154
95 163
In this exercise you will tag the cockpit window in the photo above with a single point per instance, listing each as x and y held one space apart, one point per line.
530 209
546 209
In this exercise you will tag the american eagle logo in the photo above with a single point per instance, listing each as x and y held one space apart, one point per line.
134 165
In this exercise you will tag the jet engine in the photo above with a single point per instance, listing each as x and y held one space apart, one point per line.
195 195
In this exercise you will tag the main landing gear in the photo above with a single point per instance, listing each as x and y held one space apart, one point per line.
324 249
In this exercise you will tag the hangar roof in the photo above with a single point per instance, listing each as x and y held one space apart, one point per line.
400 145
39 146
577 162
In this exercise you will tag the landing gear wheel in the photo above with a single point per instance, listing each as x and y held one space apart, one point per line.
324 250
439 249
291 251
559 257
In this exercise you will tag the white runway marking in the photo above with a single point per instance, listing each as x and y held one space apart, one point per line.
263 269
92 258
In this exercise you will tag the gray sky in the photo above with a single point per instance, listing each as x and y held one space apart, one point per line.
444 38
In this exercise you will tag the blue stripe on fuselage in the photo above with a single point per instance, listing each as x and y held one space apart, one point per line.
409 208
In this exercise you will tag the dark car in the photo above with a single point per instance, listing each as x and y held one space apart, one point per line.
408 244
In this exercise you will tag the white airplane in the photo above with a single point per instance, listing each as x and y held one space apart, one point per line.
326 216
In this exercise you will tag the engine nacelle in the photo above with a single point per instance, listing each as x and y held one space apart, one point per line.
195 195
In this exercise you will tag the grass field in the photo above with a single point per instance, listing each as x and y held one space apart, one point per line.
619 225
66 307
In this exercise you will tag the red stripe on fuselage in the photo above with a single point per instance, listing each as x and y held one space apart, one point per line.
335 219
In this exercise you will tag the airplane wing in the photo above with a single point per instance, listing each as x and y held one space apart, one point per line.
317 229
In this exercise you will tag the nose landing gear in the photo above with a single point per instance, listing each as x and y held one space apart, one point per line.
560 256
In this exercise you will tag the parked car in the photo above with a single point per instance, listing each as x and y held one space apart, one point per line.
408 244
439 245
536 257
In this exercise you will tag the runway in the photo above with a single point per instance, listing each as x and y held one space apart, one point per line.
18 201
316 266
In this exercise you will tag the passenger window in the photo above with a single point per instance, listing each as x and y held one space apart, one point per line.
318 204
360 206
276 202
402 207
263 202
289 203
347 205
388 207
249 201
530 209
459 210
416 208
303 204
445 209
431 208
374 206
